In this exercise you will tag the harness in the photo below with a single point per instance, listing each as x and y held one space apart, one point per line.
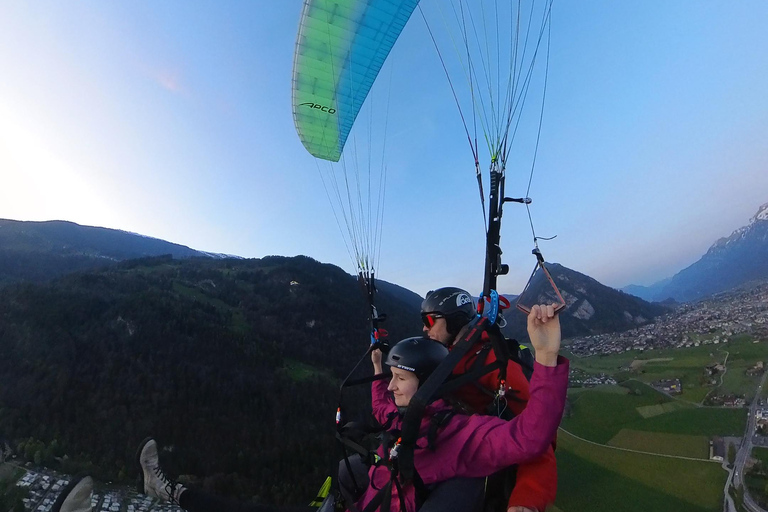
442 382
399 447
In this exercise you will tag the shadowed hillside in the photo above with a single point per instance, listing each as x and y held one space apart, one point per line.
235 363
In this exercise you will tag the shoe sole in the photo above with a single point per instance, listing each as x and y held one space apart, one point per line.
140 484
56 507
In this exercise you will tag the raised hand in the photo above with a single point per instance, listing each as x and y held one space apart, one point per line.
544 331
376 360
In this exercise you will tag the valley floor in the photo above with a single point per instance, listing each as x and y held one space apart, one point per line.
45 485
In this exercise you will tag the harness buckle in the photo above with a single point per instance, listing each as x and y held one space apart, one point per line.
393 452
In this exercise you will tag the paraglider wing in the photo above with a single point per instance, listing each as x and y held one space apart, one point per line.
340 49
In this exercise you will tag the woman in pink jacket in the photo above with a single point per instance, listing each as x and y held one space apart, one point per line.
466 446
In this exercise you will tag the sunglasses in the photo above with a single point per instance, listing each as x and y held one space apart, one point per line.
429 319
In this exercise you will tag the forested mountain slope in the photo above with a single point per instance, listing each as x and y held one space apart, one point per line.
234 363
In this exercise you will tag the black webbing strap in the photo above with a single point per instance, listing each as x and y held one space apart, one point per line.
478 369
384 494
363 380
437 421
501 349
383 498
428 391
357 447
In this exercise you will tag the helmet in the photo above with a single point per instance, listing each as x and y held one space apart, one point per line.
455 304
419 355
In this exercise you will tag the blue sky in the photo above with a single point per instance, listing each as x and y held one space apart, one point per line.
173 119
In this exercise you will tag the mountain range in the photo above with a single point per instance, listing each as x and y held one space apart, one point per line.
38 251
107 337
729 262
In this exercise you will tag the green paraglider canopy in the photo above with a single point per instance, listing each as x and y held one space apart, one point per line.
340 49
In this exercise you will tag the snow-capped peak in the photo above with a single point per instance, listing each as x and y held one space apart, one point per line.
762 214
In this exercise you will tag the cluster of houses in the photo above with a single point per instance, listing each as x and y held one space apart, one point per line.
710 322
761 417
45 486
669 386
725 400
580 379
43 490
756 370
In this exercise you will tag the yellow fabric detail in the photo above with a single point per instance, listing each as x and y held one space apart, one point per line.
322 493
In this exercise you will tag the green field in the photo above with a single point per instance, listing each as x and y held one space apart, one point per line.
699 421
649 411
686 364
598 415
597 478
738 382
696 447
609 364
741 357
634 416
606 388
760 454
587 486
757 482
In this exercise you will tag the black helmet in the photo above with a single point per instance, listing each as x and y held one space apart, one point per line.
419 355
455 304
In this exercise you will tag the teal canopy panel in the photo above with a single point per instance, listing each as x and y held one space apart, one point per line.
340 49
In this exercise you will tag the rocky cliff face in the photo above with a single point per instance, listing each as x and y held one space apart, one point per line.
593 308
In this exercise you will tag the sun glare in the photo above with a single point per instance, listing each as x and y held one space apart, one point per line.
36 184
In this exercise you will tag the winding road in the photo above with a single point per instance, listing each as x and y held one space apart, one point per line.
745 450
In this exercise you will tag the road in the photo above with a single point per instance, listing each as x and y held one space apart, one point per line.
743 455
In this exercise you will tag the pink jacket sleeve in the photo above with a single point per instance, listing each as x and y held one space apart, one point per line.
476 446
382 403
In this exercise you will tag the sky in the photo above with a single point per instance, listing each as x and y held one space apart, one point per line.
173 120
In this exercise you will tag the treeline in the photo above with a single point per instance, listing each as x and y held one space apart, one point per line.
38 267
196 353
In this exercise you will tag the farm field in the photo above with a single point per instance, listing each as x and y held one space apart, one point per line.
682 445
634 416
699 421
605 388
649 411
600 478
760 454
598 415
738 382
686 364
756 482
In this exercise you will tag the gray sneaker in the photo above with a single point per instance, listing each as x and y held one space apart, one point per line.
75 497
156 483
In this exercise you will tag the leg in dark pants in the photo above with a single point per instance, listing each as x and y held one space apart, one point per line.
456 495
358 475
